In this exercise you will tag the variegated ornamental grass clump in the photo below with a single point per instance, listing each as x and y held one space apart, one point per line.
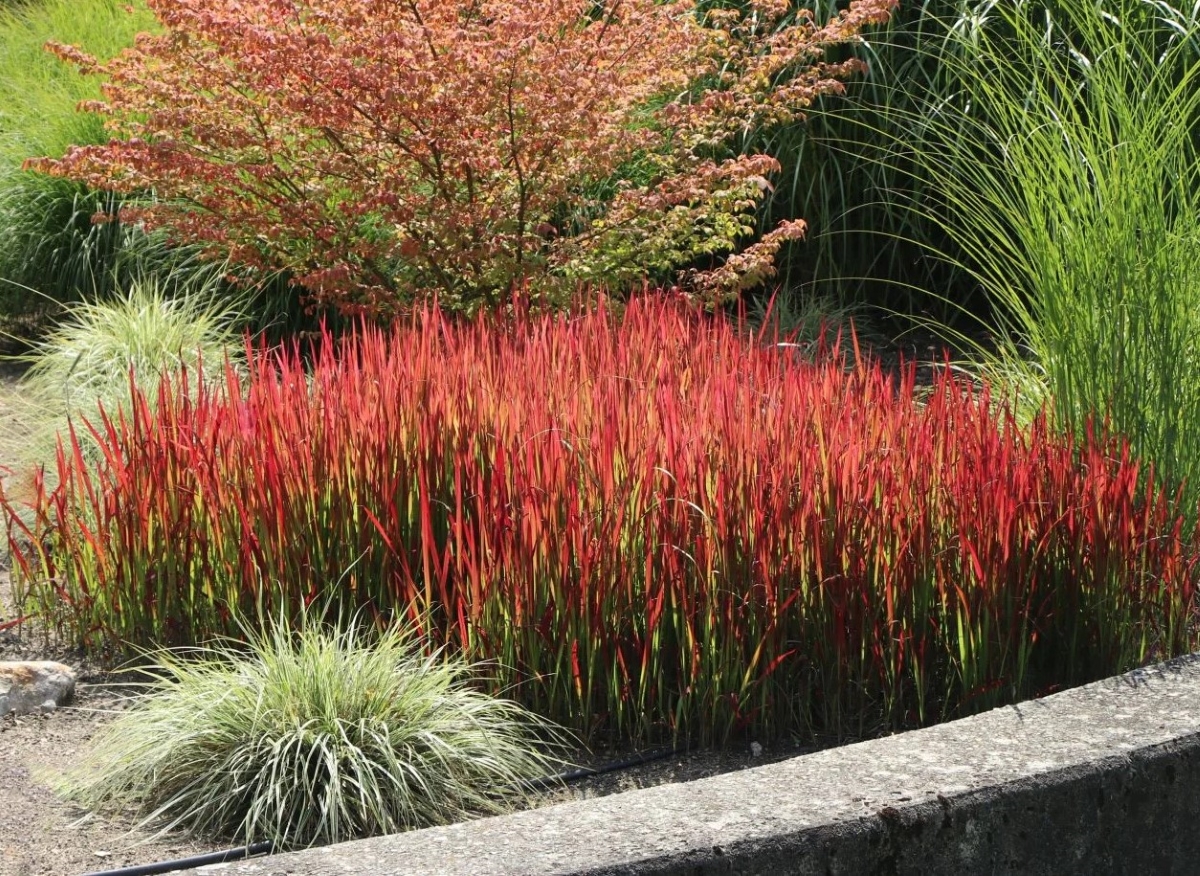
653 524
386 151
312 736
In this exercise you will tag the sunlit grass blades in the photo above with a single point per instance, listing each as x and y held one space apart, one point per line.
656 526
310 737
50 250
85 364
1067 176
148 329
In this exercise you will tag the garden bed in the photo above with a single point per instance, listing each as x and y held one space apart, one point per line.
44 835
48 836
72 727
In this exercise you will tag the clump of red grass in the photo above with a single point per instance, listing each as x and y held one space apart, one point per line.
655 525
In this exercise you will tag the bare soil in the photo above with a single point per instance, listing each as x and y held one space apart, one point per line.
43 835
40 834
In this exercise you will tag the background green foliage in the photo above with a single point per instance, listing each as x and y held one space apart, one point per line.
50 251
1032 165
1066 173
842 171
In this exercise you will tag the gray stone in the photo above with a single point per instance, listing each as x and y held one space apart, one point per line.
1102 779
34 686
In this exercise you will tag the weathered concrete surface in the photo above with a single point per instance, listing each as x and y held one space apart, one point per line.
1100 779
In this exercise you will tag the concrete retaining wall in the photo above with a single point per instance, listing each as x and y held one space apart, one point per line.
1100 779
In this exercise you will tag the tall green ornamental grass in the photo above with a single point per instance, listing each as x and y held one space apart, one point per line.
38 93
840 172
312 737
1068 177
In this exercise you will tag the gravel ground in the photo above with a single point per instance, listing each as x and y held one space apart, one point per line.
41 835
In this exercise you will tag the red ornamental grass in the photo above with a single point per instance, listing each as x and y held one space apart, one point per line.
656 525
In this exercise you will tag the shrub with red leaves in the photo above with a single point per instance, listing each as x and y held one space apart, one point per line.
386 152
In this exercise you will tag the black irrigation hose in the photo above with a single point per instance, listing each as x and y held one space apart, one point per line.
611 767
265 848
187 863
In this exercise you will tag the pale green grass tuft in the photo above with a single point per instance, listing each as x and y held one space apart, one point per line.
89 356
313 737
85 364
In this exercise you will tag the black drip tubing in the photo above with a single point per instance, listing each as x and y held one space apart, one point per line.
187 863
265 848
611 767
